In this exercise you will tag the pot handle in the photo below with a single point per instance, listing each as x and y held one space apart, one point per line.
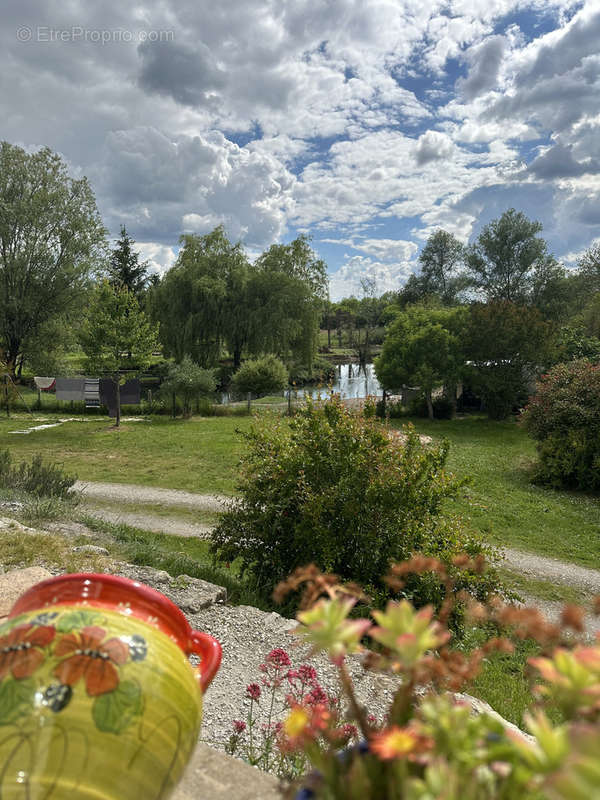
209 650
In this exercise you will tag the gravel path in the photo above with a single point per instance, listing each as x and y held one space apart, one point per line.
131 493
151 522
550 569
541 567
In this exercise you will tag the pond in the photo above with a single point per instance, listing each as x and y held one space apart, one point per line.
351 380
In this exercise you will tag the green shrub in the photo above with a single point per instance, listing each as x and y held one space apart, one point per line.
323 371
35 478
333 488
188 382
392 409
502 388
260 376
442 408
564 418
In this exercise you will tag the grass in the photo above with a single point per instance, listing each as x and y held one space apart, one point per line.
48 550
177 555
199 455
503 679
524 585
502 502
202 455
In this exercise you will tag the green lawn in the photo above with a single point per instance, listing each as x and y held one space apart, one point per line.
202 454
199 455
502 502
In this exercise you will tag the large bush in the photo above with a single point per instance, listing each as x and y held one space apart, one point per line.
333 488
564 418
260 376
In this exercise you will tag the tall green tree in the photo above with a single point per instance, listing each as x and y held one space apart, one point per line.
291 287
125 268
201 301
506 345
589 268
422 347
114 327
509 260
440 261
51 241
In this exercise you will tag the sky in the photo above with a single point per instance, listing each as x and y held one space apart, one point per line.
367 124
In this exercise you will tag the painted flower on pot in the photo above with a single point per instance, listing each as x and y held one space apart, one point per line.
21 650
89 655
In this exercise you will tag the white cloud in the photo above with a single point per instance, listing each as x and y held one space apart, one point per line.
384 249
388 277
171 184
160 258
340 135
432 146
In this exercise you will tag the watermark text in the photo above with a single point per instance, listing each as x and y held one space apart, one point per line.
77 33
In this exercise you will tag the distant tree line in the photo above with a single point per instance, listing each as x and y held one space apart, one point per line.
213 300
494 314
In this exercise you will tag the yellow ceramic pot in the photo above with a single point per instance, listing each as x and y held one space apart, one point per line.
97 696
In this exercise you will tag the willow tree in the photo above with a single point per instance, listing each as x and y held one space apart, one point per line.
213 299
292 283
199 300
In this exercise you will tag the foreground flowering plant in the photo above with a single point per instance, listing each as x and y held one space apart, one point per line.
284 691
430 746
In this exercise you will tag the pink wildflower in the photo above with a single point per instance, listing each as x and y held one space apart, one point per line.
307 673
253 691
239 726
316 696
278 658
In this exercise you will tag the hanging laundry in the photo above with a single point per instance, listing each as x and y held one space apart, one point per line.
45 384
70 389
91 393
130 394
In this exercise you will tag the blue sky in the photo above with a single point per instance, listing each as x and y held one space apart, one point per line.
367 124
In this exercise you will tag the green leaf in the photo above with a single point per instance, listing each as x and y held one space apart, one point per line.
115 711
77 619
15 698
11 623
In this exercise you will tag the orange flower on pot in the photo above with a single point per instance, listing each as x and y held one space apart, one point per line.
89 657
20 650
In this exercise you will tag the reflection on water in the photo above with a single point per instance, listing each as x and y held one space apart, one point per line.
351 380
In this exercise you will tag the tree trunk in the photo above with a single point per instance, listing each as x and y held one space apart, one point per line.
450 392
118 421
328 335
237 357
429 404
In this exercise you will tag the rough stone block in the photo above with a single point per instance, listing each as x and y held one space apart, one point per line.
17 581
215 775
